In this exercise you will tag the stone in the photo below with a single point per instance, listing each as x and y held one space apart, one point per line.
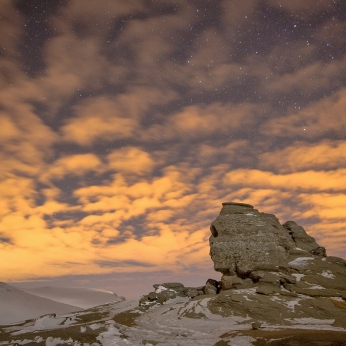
230 281
211 287
253 249
173 288
256 325
262 276
302 240
164 296
192 292
267 288
176 286
143 300
243 239
152 296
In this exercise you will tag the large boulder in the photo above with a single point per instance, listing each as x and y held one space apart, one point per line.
244 240
302 240
247 245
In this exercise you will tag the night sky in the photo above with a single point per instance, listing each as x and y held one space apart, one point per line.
125 124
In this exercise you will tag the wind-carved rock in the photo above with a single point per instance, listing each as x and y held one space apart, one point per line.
273 272
244 240
246 244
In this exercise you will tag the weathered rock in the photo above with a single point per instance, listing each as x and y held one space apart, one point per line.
211 287
230 281
303 240
255 325
172 288
176 286
253 249
152 296
244 240
192 292
267 288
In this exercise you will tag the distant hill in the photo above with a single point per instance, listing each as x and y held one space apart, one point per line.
17 305
77 296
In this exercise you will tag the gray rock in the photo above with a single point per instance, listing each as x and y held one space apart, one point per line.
256 325
192 292
152 296
211 287
244 240
176 286
292 276
267 288
230 281
303 240
164 296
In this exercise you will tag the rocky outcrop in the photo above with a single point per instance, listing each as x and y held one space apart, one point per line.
244 240
272 275
253 248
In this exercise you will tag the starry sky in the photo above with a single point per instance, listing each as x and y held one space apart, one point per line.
124 124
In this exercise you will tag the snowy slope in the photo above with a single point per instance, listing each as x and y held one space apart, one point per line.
179 321
17 305
77 296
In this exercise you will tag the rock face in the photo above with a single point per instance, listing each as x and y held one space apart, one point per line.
273 275
244 240
253 249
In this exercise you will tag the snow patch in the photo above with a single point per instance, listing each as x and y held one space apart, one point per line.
298 276
111 337
95 326
327 274
300 261
310 321
242 340
160 289
315 287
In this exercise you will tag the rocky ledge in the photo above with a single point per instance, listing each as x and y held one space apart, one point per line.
272 273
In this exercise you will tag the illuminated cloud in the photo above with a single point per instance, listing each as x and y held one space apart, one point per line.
326 155
124 126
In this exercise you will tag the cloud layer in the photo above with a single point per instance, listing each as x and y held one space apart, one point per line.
125 125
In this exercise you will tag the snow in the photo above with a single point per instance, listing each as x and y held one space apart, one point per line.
111 337
316 287
180 321
82 297
160 289
17 305
300 261
288 303
54 341
311 321
242 341
298 276
95 326
327 274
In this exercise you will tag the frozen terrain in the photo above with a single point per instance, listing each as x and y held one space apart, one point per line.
77 296
203 320
17 305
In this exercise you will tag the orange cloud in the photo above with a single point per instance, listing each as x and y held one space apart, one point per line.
196 121
130 159
73 164
325 155
309 180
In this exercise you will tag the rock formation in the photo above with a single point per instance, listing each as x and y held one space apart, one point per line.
273 275
253 250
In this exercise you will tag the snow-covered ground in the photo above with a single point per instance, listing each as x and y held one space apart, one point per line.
77 296
17 305
178 321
